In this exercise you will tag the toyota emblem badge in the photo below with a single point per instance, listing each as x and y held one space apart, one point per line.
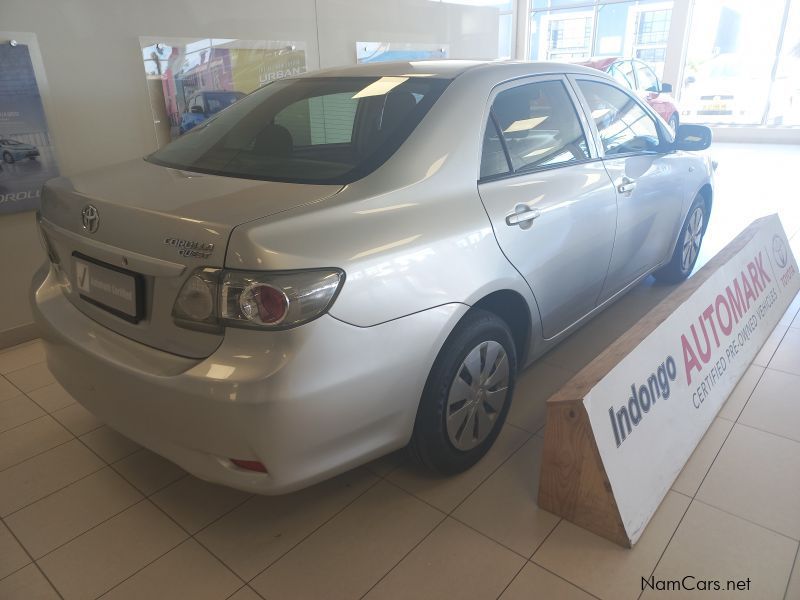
90 218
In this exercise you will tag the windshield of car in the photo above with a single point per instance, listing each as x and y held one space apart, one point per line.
216 101
307 130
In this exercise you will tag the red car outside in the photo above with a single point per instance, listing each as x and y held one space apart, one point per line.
640 78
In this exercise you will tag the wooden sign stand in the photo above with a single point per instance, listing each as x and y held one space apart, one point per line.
574 481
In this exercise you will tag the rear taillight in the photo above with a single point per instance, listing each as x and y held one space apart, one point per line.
263 300
249 465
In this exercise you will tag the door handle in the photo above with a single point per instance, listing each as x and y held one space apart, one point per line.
522 216
625 185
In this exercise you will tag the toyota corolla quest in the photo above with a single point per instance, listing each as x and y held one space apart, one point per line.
345 263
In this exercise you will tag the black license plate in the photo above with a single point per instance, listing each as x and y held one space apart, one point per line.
117 290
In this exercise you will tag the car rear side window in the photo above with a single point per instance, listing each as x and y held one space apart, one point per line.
539 128
623 124
307 130
623 73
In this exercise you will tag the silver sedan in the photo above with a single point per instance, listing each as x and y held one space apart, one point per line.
357 260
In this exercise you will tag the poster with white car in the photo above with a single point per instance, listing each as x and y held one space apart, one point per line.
27 158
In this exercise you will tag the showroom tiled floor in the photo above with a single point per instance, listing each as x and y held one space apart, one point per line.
87 513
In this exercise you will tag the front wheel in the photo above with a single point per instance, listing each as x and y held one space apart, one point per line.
467 395
688 247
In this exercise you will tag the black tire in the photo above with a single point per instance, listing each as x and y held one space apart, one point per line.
430 443
677 270
673 122
8 157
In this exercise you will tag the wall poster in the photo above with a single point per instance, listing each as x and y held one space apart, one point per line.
367 52
27 157
190 80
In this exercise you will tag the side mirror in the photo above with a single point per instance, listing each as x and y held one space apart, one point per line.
689 80
198 110
666 88
692 137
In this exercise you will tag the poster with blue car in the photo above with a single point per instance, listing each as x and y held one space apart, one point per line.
27 158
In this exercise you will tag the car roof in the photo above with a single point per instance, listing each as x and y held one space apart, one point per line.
601 62
450 69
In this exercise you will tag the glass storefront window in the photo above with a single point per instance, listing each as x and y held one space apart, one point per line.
633 29
784 101
730 57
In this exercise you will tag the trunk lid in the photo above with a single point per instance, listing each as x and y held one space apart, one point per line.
157 224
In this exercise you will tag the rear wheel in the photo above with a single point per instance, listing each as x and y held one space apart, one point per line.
8 157
688 247
467 395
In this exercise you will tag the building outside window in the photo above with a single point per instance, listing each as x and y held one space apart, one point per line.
591 28
651 32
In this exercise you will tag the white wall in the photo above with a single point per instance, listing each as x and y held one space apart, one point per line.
95 93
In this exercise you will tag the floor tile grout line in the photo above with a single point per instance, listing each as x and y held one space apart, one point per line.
541 566
488 537
33 562
82 477
160 556
777 435
510 581
39 418
728 435
22 462
785 372
75 537
791 573
402 558
746 520
247 587
562 578
694 497
669 541
190 536
320 526
18 346
497 468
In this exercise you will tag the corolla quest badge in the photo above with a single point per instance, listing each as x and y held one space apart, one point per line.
90 218
190 248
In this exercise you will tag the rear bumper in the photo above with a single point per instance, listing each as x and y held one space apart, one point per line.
308 403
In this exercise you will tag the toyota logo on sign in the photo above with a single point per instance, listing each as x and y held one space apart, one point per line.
90 218
779 251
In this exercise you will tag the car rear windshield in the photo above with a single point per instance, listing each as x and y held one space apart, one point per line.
307 130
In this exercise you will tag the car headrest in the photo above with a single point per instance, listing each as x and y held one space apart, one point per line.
274 140
397 107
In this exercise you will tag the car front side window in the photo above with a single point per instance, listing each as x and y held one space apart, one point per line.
622 123
539 128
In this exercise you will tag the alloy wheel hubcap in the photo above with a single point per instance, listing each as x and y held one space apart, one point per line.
692 239
477 395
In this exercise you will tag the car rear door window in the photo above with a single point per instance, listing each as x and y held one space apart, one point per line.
539 127
493 160
623 124
648 81
623 72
